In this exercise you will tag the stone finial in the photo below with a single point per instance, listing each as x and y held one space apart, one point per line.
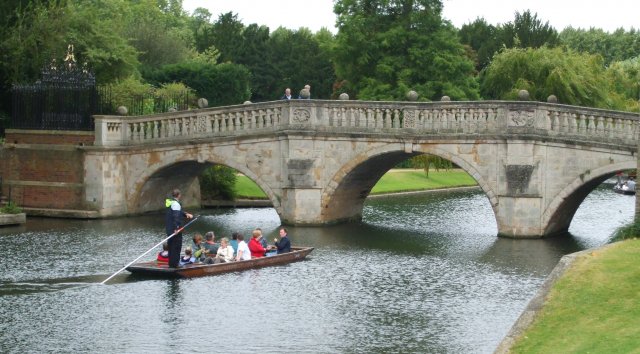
523 95
202 102
305 94
445 99
122 111
412 95
247 102
344 96
552 99
173 109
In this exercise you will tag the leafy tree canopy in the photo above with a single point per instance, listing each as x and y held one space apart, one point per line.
385 48
575 78
617 46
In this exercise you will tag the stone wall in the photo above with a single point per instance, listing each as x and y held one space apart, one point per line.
53 137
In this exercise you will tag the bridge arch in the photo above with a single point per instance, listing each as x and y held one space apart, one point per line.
557 217
344 197
151 187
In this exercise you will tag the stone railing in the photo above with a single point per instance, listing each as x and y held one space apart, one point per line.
441 119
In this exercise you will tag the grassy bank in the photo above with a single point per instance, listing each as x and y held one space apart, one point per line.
392 182
593 308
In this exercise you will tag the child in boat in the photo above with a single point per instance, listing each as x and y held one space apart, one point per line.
163 256
188 258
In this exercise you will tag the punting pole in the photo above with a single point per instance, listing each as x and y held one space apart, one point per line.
152 248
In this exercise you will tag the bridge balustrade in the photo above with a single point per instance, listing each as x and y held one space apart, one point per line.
436 119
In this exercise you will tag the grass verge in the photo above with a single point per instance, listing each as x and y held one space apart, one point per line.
392 182
593 308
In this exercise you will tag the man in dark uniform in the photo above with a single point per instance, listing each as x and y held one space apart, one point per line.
173 221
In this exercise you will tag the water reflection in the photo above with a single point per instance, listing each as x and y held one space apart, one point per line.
419 274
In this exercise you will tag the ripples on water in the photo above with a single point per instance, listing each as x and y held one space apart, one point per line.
420 274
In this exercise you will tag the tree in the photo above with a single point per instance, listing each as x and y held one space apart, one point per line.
527 31
482 38
386 48
218 182
221 84
159 32
617 46
575 78
299 59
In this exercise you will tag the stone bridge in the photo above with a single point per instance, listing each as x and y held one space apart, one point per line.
318 160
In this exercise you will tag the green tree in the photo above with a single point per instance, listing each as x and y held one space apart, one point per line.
301 58
527 31
227 36
617 46
221 84
385 48
218 182
575 78
482 38
625 78
42 31
159 31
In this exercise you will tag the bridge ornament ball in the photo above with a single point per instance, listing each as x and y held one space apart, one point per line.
317 160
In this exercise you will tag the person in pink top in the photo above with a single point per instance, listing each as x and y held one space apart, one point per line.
255 247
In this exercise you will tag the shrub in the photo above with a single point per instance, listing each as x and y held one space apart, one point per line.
218 182
627 232
221 84
11 208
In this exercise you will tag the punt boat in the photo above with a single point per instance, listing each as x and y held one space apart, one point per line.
155 269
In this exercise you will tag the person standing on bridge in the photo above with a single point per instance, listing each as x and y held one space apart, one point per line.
287 94
173 221
305 93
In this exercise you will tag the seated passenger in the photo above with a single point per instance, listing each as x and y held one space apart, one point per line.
163 256
243 252
234 242
198 247
188 257
256 248
210 245
631 184
284 245
262 240
225 252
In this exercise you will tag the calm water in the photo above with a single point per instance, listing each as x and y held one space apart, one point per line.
421 274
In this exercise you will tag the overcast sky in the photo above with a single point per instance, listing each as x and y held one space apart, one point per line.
315 14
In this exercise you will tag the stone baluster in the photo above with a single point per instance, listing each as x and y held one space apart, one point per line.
600 126
395 122
573 123
628 129
553 121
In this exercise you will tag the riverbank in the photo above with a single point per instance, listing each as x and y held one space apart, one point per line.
588 304
394 181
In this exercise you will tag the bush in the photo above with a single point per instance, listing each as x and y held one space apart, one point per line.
218 182
11 208
221 84
627 232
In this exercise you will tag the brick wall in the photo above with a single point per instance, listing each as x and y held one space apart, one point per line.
43 176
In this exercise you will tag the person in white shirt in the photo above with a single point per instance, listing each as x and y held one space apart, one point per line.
243 253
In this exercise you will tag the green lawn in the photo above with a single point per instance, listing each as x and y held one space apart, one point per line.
415 180
246 188
593 308
392 181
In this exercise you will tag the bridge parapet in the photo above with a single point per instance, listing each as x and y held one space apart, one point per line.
449 119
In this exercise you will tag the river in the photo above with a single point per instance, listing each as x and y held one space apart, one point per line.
421 274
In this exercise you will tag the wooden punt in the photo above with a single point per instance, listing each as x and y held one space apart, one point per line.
155 269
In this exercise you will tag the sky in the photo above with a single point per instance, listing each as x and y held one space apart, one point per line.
315 14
